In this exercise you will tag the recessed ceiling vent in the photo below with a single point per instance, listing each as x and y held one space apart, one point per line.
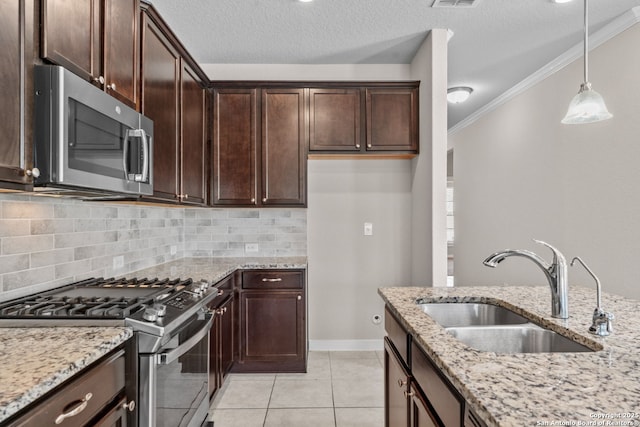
455 3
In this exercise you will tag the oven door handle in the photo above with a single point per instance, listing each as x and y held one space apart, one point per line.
170 356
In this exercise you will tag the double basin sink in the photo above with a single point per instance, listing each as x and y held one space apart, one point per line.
492 328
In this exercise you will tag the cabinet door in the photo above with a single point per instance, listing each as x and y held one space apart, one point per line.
396 388
62 23
227 336
16 32
214 353
234 166
116 417
273 328
193 150
334 120
160 87
120 51
421 416
284 141
392 119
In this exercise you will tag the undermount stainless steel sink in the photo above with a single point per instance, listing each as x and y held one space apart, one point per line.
488 327
471 314
528 338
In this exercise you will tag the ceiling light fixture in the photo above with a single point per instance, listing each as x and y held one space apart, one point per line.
305 1
587 106
562 1
456 95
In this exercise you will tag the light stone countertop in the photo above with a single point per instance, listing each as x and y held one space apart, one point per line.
543 388
36 360
216 269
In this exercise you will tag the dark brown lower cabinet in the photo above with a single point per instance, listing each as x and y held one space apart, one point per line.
272 322
396 388
222 338
417 394
96 397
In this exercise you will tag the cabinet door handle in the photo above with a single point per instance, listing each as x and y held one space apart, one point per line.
299 297
112 86
99 79
368 145
129 406
78 407
401 382
267 279
408 394
357 145
253 200
264 200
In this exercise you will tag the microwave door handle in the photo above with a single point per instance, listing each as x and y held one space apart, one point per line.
145 156
170 356
125 153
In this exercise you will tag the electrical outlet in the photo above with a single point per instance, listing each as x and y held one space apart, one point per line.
368 229
118 262
251 247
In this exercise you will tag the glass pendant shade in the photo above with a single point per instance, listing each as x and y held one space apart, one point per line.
586 107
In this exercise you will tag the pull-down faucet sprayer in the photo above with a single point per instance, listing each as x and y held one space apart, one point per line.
556 274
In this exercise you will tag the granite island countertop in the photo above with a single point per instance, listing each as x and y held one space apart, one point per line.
36 360
216 269
542 388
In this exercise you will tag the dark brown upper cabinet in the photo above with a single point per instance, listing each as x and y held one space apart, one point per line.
193 116
16 86
259 147
375 118
335 120
97 40
173 96
284 141
392 119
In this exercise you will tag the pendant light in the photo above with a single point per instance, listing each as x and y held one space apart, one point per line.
587 106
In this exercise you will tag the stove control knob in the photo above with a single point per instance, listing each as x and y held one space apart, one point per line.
161 309
150 314
204 284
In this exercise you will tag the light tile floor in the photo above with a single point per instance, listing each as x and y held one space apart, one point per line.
340 389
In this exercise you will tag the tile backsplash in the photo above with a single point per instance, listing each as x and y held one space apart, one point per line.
47 242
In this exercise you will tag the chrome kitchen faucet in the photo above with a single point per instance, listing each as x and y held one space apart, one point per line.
556 274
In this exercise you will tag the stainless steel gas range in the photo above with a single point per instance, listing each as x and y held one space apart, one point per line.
171 325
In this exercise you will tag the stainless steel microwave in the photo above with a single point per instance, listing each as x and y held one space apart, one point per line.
86 140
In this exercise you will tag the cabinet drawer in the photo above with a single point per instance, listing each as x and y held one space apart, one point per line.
272 279
444 401
92 391
397 335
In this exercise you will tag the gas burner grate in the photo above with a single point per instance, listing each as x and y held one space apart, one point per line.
94 298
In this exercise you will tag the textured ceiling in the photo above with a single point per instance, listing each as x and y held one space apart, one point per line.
495 44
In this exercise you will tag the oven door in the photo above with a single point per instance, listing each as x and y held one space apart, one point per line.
174 381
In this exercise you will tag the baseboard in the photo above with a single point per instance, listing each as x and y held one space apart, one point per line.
345 345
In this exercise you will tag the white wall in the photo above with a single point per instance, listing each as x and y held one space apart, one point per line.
521 174
345 267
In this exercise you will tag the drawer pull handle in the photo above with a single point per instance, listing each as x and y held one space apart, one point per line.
220 292
82 404
267 279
